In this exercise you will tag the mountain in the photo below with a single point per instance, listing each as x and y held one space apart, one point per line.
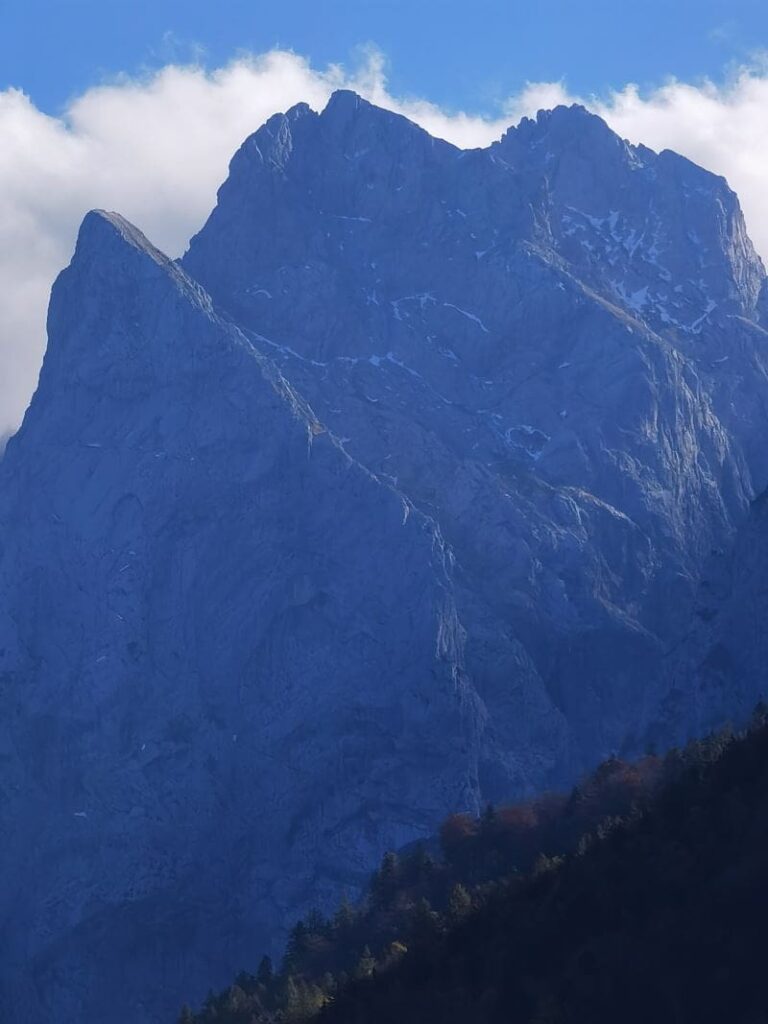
228 649
726 651
553 346
395 495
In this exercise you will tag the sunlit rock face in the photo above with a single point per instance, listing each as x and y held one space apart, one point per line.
552 346
396 495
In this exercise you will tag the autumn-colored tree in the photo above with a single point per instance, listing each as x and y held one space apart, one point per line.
459 903
455 832
366 964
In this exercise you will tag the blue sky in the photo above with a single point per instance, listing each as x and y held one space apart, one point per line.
138 106
459 53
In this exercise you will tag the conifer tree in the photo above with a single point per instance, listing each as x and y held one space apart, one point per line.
344 917
296 947
265 974
384 887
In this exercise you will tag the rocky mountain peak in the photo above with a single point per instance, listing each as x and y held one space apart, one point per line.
565 124
100 228
102 305
345 103
348 118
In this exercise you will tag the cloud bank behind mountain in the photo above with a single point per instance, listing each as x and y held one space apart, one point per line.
156 148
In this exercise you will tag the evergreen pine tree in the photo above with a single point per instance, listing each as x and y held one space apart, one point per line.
265 975
344 917
425 922
422 865
296 947
384 886
316 923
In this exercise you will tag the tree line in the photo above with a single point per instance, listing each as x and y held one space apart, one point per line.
640 895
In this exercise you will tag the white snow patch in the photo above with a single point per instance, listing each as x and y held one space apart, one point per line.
636 300
392 358
696 325
423 299
468 315
288 351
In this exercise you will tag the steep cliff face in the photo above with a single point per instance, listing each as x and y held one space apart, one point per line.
230 659
394 496
552 345
720 670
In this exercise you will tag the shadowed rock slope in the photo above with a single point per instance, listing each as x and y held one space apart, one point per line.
231 662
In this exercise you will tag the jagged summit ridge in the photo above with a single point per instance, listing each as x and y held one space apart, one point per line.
564 183
565 122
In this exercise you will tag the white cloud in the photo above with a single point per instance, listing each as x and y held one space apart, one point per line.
156 149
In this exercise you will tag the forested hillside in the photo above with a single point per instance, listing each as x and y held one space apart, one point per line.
640 896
